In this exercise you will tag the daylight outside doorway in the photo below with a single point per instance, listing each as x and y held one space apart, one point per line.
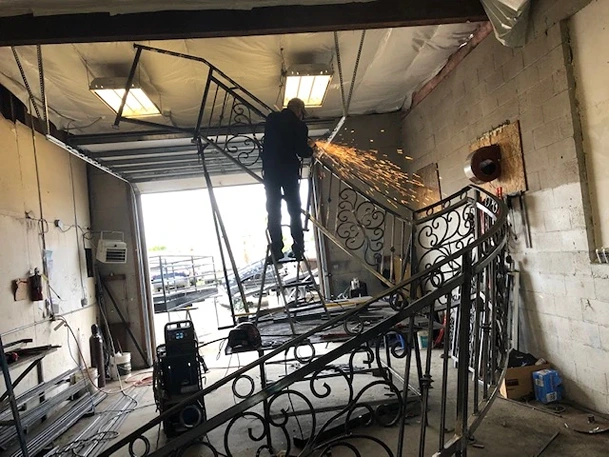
186 271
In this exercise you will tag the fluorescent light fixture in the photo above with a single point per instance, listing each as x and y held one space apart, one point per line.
111 92
307 82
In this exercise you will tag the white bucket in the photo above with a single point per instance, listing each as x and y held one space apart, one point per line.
123 363
90 375
93 375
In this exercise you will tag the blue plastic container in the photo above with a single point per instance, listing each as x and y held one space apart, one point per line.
548 386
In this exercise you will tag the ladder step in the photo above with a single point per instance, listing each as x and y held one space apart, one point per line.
295 308
288 260
299 284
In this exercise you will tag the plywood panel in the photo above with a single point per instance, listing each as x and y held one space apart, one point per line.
512 178
428 190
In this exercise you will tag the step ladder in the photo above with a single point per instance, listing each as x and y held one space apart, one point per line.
294 292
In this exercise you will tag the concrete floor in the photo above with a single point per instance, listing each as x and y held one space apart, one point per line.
509 430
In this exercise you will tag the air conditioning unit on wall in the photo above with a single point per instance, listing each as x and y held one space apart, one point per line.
111 250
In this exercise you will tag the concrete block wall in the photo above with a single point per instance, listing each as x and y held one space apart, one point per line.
565 296
58 192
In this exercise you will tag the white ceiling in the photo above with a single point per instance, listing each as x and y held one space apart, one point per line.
394 63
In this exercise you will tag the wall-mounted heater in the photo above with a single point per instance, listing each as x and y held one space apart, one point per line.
112 250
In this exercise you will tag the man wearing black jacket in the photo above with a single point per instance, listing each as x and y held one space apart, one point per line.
285 142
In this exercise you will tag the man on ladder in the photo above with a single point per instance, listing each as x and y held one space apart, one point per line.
285 142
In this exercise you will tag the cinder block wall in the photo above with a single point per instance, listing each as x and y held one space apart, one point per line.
565 297
45 181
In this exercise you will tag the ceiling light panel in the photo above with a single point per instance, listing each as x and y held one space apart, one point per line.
309 83
112 90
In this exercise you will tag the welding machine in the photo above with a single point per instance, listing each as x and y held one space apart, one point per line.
177 375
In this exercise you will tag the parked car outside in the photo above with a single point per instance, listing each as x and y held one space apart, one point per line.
176 280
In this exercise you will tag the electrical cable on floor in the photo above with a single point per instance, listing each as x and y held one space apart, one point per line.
74 446
88 375
220 346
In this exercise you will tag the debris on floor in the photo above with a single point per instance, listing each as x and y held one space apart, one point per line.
589 424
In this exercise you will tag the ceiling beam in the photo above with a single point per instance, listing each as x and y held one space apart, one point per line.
169 158
97 27
147 135
155 176
177 167
152 151
168 151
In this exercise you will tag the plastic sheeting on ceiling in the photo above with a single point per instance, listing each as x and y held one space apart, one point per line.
51 7
509 19
394 63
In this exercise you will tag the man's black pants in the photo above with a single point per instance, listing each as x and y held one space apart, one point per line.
291 191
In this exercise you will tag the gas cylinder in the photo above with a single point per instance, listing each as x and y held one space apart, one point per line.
96 349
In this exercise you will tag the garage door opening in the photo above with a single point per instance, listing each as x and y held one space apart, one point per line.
186 270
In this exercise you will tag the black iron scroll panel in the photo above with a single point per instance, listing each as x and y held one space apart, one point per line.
361 226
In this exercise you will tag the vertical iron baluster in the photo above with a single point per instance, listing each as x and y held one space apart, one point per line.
211 112
445 354
203 103
262 282
463 368
392 250
320 246
329 201
408 362
340 186
426 379
404 250
476 345
220 230
477 367
486 339
221 119
494 304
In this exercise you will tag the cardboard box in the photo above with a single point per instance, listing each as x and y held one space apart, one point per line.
518 382
548 386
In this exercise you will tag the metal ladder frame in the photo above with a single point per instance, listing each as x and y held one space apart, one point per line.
271 260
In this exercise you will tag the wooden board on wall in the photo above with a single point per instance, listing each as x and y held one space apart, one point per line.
513 177
429 193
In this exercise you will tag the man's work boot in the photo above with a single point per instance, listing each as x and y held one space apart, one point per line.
297 251
277 254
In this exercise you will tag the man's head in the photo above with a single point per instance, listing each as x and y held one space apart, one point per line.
297 106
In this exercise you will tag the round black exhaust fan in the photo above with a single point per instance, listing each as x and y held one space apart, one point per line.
484 164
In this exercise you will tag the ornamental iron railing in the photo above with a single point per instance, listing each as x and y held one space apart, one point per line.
466 281
350 384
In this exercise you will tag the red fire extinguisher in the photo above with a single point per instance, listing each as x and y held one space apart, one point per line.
36 286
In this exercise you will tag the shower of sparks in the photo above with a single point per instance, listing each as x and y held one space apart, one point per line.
376 170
